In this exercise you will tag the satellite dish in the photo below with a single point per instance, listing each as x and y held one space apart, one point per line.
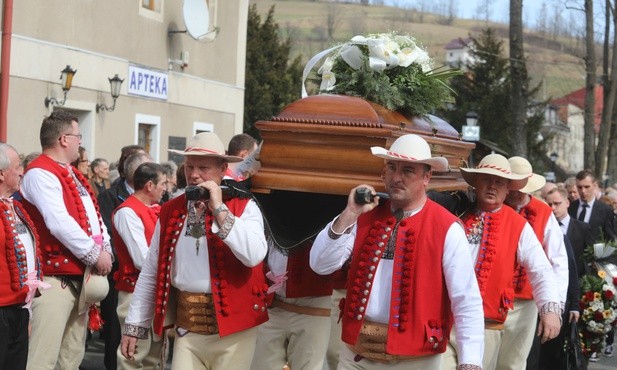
196 18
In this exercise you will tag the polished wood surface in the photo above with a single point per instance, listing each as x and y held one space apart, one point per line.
321 144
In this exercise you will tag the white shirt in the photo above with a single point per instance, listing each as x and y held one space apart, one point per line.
190 271
555 249
587 212
531 256
132 231
328 255
44 191
564 224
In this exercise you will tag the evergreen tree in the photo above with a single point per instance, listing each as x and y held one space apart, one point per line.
272 81
485 89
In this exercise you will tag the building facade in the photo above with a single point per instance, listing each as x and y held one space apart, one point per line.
174 85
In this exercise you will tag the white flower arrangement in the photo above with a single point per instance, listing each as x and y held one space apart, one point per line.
389 69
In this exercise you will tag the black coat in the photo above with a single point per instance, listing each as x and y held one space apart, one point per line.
579 235
602 220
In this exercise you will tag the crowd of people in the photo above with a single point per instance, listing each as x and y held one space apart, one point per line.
165 252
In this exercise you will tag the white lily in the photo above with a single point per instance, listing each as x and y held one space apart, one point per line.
352 55
328 80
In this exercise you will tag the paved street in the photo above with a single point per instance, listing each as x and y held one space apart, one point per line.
94 355
94 359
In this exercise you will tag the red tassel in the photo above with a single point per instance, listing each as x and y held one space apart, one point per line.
95 321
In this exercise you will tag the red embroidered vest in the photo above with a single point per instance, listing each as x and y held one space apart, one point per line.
420 316
239 292
13 263
537 214
127 273
57 259
496 259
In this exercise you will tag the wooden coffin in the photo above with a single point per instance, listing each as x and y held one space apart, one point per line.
321 144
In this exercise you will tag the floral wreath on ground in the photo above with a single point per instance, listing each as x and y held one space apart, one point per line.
390 70
598 311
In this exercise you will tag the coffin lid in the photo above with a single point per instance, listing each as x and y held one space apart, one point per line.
318 148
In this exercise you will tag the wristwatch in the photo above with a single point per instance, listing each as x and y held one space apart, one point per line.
220 209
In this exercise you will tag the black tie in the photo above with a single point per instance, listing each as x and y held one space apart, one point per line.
581 217
560 223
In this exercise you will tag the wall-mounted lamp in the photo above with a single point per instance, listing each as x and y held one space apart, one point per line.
67 80
115 84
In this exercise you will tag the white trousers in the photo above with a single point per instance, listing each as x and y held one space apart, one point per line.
58 339
293 338
148 355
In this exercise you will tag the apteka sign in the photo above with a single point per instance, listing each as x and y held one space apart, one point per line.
146 82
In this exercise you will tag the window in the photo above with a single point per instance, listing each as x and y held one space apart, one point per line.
149 4
148 134
152 9
199 127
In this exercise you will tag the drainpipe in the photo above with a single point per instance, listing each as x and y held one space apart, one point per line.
5 65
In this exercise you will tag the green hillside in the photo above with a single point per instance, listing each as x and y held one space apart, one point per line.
307 23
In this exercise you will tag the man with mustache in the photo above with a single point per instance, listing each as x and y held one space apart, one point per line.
411 276
499 238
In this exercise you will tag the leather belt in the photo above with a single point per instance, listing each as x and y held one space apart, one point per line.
196 313
493 325
371 344
310 311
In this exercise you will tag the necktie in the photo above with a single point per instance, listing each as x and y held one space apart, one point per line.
560 223
581 217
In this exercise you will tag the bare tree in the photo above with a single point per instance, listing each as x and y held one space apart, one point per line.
334 17
483 10
518 73
422 9
357 23
542 20
590 83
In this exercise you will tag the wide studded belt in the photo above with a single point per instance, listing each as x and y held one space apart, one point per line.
371 344
196 313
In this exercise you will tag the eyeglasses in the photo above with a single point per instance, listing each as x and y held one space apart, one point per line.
79 136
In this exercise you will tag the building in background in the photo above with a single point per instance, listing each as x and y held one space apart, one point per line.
458 53
175 84
565 121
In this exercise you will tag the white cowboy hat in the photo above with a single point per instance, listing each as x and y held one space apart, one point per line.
94 288
521 166
411 148
206 144
496 165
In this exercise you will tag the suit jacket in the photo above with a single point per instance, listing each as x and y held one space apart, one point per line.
574 292
602 220
579 236
109 200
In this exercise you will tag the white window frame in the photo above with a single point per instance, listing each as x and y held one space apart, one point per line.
202 126
153 121
156 15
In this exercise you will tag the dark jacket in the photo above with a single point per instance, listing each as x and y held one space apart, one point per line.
579 236
602 220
